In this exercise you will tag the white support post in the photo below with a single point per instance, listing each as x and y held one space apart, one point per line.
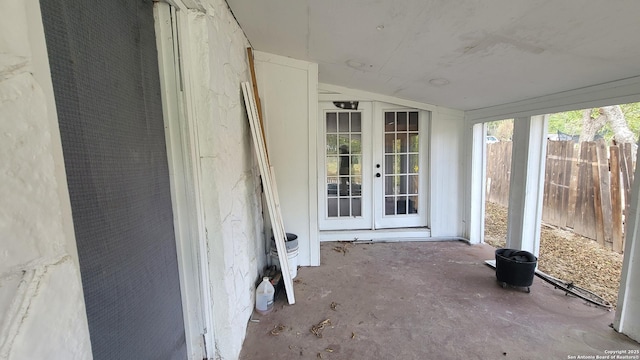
475 229
526 185
627 319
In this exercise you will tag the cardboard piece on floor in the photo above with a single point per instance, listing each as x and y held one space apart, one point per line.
271 194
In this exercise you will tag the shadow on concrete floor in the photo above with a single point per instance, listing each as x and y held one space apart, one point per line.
425 300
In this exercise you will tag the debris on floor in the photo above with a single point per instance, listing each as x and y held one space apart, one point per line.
296 348
319 327
277 330
334 305
343 248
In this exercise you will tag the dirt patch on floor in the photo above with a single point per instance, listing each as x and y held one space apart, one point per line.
565 255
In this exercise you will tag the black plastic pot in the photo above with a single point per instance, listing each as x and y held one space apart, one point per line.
515 267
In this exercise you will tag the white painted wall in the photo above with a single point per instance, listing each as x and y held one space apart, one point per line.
447 174
42 311
627 318
229 187
288 91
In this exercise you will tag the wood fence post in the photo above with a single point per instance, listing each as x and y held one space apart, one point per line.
573 185
605 192
616 199
567 168
627 168
548 203
597 193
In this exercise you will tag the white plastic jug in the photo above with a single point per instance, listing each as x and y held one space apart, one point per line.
264 296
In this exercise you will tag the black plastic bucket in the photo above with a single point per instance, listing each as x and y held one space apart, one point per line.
291 243
515 267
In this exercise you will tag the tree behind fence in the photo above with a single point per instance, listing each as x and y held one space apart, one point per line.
587 186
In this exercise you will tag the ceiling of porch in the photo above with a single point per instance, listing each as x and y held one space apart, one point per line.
466 54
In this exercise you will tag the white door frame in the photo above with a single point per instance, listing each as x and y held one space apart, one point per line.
371 228
183 162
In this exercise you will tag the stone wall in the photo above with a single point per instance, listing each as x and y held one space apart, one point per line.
228 173
42 312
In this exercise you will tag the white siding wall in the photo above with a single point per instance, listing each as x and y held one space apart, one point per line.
229 181
447 174
288 89
42 311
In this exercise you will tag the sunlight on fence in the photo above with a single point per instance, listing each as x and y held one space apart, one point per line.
586 189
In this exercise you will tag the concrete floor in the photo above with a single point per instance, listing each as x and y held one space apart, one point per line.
427 300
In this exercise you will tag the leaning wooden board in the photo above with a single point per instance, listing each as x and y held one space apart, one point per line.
266 173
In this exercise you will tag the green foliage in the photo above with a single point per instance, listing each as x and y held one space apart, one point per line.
570 122
632 114
501 129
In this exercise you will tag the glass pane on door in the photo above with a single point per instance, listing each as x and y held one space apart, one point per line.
401 165
343 161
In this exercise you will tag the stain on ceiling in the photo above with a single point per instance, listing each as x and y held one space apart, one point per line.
463 54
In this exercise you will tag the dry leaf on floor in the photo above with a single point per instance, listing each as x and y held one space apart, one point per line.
328 350
344 248
317 329
353 335
277 330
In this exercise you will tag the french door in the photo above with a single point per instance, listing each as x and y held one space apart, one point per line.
372 167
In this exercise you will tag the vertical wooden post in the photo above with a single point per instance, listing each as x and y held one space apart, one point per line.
574 151
597 194
567 168
507 151
582 199
626 167
605 191
548 203
616 200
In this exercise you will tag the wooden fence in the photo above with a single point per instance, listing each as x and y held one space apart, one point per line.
586 189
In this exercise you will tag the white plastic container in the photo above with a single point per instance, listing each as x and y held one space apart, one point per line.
264 296
292 257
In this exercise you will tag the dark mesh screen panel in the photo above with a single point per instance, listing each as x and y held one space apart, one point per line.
105 74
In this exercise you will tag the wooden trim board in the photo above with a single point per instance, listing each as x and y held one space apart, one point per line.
271 194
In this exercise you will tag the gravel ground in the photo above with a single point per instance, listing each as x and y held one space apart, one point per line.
565 255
